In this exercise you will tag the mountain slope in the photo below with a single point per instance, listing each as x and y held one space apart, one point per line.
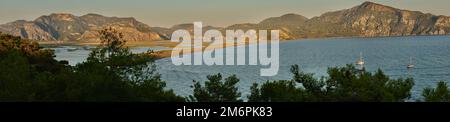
366 20
67 27
372 19
284 20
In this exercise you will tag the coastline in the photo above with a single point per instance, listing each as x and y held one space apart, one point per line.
169 44
162 43
159 54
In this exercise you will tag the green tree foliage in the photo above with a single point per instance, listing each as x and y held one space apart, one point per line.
216 91
23 64
15 71
439 94
119 73
41 59
350 84
276 91
111 73
342 84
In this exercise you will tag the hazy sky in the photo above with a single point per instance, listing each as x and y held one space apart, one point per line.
166 13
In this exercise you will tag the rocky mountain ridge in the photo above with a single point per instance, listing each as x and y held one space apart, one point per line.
366 20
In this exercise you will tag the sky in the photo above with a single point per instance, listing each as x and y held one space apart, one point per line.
165 13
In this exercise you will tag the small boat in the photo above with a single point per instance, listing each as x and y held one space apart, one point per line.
410 65
72 49
361 60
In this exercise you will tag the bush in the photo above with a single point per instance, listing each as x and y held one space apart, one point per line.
439 94
342 84
216 91
111 73
277 91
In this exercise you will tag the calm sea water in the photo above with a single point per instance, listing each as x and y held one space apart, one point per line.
431 57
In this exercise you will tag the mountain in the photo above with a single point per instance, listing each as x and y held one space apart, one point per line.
167 32
284 20
366 20
372 19
287 24
29 30
67 27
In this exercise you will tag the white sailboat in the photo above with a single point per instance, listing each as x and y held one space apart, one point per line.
361 60
410 65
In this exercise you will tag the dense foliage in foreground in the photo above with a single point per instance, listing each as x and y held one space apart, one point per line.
343 84
113 73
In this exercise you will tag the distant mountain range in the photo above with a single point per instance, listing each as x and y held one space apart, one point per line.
366 20
67 27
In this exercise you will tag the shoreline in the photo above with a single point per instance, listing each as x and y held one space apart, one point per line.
168 44
161 43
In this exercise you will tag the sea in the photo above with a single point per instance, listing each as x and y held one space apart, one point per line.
430 56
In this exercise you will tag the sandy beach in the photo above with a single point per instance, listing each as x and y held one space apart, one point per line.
161 43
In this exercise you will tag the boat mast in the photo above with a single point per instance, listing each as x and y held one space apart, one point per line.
360 62
410 60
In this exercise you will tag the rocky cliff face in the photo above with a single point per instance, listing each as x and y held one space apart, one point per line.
365 20
371 19
28 30
67 27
